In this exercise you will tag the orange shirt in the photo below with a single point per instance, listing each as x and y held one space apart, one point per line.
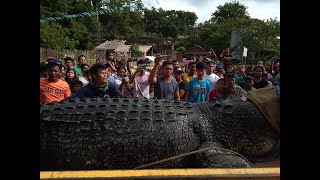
53 91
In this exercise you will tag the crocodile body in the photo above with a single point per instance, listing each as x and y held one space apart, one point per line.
119 133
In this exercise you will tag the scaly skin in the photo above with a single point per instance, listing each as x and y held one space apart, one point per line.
125 133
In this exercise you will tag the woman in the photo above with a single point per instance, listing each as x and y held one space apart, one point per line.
71 76
85 78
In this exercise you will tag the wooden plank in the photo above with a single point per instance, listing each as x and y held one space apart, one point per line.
165 173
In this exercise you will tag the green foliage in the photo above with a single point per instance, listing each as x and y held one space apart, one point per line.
129 20
53 36
135 52
181 49
230 11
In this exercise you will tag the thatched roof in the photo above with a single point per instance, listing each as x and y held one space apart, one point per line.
196 48
119 46
110 45
123 48
144 48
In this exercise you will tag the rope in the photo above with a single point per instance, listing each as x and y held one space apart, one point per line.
190 153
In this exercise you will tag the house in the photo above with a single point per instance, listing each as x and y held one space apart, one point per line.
121 49
196 50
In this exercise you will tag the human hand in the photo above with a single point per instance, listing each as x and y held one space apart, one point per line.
158 59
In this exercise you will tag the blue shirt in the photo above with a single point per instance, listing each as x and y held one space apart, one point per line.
198 90
89 91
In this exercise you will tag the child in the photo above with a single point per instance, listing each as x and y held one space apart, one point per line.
248 84
218 93
232 90
240 75
198 88
75 86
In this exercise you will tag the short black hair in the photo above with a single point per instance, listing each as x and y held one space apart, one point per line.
143 61
254 69
81 56
67 59
221 79
210 62
43 66
248 78
229 75
76 82
84 64
94 68
201 65
166 63
191 63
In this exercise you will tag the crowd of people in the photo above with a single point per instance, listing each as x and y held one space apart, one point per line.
196 79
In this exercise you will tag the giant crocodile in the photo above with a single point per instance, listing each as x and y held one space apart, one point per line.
121 133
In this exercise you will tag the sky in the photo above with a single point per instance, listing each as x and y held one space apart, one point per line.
260 9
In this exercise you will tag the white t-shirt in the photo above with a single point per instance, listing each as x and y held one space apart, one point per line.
142 86
213 79
83 80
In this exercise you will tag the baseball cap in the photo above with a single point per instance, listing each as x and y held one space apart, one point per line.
49 58
53 62
177 70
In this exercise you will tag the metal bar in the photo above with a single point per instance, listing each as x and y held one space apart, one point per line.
164 173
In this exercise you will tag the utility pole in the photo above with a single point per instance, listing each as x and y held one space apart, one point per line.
98 24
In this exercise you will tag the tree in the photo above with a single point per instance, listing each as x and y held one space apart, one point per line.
181 49
52 35
135 52
228 11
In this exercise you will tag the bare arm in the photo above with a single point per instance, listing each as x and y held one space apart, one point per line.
152 78
207 97
112 67
181 92
129 66
176 95
187 96
134 75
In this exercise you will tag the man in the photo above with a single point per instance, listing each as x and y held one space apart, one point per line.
68 61
175 64
186 77
141 80
198 88
77 69
177 72
165 86
210 76
99 86
53 89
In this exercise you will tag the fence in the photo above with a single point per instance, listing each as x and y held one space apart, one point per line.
61 54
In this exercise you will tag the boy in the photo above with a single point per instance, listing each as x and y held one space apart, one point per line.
248 84
198 88
218 93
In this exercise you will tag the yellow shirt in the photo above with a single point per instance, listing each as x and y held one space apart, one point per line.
186 77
